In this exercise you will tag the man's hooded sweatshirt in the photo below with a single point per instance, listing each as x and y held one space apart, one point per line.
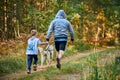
60 26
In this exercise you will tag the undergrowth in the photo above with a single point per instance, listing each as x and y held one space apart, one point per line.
11 64
86 67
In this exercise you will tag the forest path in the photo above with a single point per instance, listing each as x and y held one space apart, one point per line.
14 76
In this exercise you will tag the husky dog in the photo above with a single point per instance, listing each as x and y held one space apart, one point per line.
46 55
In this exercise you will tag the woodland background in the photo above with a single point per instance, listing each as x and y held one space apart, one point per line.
92 20
96 25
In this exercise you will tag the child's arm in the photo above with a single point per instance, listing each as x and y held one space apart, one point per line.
39 42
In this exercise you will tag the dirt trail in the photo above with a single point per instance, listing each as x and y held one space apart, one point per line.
102 61
14 76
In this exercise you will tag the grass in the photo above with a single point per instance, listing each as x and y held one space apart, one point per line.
86 67
81 45
17 61
11 64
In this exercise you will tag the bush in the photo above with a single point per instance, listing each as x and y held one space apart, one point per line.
82 45
111 42
11 64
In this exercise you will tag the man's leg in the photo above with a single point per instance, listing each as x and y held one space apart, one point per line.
60 54
57 55
61 50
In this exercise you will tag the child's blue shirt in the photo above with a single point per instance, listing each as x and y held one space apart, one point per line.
32 48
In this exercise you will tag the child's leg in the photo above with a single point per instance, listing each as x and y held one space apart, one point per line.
35 59
29 61
35 62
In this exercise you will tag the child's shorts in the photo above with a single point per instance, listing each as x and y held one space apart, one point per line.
60 45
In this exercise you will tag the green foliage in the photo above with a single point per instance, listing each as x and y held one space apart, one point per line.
85 16
82 45
108 72
86 68
11 64
69 51
111 42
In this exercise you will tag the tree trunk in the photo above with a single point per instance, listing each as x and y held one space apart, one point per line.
5 18
18 31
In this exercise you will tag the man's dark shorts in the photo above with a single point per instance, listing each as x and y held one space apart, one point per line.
60 45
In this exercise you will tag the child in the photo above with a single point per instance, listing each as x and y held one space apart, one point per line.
32 51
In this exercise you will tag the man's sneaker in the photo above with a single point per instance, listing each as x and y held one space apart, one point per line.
58 66
28 72
35 67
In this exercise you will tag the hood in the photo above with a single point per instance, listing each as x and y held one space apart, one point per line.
61 14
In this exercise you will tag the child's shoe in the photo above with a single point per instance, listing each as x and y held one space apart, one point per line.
28 72
35 67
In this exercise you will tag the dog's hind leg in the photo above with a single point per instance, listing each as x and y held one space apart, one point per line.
52 55
48 60
42 60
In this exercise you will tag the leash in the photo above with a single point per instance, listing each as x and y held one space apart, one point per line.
47 49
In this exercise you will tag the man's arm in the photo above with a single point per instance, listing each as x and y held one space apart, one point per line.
49 31
71 32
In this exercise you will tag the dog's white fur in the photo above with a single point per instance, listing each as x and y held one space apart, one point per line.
46 55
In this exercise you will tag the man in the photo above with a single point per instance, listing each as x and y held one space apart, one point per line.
60 26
